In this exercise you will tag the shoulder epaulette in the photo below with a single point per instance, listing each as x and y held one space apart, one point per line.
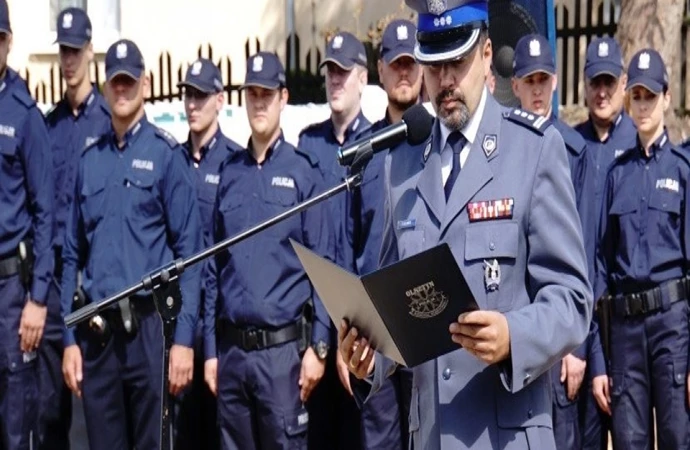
534 122
232 145
23 97
624 157
309 156
95 143
310 128
683 152
167 137
574 141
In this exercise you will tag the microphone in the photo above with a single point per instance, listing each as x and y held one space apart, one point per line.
415 126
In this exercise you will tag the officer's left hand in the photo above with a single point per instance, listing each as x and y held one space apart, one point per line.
572 373
485 334
311 373
181 368
31 325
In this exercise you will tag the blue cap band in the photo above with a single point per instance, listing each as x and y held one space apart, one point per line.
455 18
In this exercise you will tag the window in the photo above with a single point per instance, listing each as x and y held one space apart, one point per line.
104 15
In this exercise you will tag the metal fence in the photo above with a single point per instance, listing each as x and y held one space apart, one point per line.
577 23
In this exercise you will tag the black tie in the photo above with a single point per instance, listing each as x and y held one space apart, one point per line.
456 141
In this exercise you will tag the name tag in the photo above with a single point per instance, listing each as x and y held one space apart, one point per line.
212 179
406 224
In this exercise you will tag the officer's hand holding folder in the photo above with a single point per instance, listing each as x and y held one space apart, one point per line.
404 309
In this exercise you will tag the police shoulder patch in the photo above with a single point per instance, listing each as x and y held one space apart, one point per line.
534 122
167 137
23 97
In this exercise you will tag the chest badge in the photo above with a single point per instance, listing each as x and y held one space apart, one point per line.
489 144
492 275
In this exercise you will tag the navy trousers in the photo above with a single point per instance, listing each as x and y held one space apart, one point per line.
18 373
196 421
385 422
566 428
258 398
55 406
649 369
122 387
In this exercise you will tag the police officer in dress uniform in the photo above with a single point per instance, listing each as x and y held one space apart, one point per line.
384 417
534 82
642 264
494 185
265 330
609 131
74 123
134 210
206 148
335 415
26 260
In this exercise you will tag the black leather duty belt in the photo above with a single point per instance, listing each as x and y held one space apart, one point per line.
645 302
9 266
257 339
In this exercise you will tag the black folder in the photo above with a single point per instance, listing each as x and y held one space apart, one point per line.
404 309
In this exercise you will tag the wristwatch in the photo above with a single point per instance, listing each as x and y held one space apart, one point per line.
321 349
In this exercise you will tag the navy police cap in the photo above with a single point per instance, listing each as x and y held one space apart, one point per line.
73 28
448 29
5 18
398 40
264 70
204 76
533 54
647 69
345 50
124 57
604 57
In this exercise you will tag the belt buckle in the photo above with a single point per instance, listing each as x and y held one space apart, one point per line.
253 340
634 304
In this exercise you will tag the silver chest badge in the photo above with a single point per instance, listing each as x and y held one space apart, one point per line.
489 144
492 275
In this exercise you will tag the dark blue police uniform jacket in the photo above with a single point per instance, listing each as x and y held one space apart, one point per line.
26 168
319 140
260 281
364 208
70 134
134 210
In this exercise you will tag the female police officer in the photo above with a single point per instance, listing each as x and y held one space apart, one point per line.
642 262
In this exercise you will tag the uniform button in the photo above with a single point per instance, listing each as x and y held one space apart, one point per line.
679 377
492 246
14 365
528 378
446 373
530 414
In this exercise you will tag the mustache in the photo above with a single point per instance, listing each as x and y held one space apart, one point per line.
449 94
